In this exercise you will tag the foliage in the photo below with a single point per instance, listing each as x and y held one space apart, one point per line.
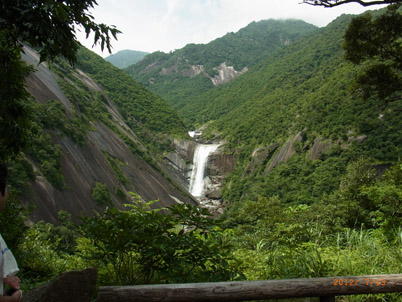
277 80
38 256
116 165
261 239
101 194
50 26
323 215
41 149
274 241
48 155
386 197
53 116
45 252
141 246
12 220
375 43
20 175
14 115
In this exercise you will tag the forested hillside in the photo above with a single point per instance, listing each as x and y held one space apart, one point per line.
299 98
181 75
144 112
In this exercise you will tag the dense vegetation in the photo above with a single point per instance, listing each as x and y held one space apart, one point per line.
303 89
169 75
355 230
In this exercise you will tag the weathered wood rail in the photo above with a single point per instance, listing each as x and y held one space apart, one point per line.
325 288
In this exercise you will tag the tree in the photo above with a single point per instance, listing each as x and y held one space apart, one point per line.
332 3
376 44
141 246
50 26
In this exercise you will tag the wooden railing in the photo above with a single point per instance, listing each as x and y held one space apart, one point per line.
325 288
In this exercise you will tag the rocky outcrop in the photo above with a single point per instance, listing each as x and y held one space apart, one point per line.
43 84
153 66
226 74
179 162
170 70
220 163
260 157
285 152
216 194
193 71
77 286
319 147
358 139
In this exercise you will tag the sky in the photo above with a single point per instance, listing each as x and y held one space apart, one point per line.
166 25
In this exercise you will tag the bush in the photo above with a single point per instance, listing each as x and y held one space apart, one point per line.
100 193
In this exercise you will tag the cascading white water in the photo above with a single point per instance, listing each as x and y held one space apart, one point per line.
200 161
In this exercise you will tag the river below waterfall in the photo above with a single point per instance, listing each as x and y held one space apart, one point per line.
197 179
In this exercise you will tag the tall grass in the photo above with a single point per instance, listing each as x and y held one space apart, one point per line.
348 253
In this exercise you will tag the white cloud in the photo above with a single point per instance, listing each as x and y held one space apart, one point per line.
171 24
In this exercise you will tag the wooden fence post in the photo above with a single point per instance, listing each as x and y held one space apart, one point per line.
325 288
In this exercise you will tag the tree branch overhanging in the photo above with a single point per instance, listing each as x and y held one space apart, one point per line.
332 3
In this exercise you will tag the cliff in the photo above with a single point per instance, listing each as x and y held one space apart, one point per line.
106 156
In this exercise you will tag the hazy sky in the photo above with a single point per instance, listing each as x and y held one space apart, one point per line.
151 25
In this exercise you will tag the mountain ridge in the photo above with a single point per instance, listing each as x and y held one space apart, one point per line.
125 58
180 75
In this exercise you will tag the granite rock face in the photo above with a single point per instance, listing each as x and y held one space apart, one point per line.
226 74
260 157
319 147
84 165
220 163
285 152
179 161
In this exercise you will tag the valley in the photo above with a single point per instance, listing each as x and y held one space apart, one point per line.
264 154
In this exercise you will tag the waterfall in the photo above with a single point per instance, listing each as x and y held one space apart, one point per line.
200 161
